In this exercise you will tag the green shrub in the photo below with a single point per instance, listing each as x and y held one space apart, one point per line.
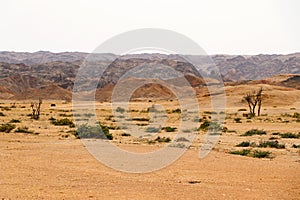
296 115
141 119
276 133
261 154
169 129
163 139
243 152
52 119
289 135
273 138
63 122
5 108
178 110
141 124
7 127
243 144
15 121
98 131
120 110
271 144
254 132
214 126
238 120
23 130
2 114
296 146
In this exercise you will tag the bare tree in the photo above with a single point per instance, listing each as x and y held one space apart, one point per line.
254 99
36 109
259 99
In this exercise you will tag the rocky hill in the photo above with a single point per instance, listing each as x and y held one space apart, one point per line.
29 74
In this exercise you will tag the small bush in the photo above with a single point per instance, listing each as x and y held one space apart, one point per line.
238 120
243 152
52 119
243 144
63 122
271 144
23 130
98 131
7 127
178 110
261 154
296 115
273 138
276 133
2 114
14 121
120 110
254 132
169 129
296 146
214 126
163 139
289 135
141 124
141 119
5 108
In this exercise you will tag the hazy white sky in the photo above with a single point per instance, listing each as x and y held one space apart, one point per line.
219 26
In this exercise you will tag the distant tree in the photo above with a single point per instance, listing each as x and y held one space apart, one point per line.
36 109
254 99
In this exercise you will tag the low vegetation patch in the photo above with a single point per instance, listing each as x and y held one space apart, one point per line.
271 144
141 119
238 120
261 154
125 134
243 144
99 132
163 139
289 135
211 125
23 130
63 122
2 114
296 115
14 121
243 152
4 108
169 129
254 132
296 146
7 127
254 154
120 110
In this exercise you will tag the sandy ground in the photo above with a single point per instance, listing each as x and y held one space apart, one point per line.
49 166
54 169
